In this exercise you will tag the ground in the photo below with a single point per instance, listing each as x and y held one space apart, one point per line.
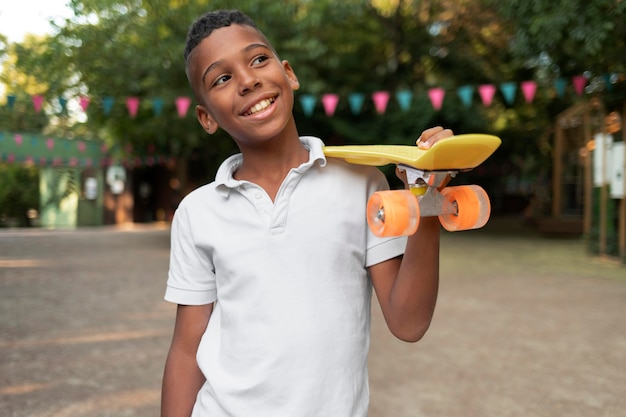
524 326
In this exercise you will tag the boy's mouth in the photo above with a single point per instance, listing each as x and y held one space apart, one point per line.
261 105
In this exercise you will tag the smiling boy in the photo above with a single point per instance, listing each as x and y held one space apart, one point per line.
272 264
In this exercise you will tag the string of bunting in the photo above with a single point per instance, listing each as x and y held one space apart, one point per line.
356 100
31 149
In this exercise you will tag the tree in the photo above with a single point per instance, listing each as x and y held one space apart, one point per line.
567 38
122 48
21 82
19 193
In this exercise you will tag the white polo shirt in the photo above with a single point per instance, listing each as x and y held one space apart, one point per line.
289 334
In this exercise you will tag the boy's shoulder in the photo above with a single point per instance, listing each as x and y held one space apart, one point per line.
201 196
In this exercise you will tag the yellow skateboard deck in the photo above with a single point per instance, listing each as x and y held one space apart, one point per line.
455 153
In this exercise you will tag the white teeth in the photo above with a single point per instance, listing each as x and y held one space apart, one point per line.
260 106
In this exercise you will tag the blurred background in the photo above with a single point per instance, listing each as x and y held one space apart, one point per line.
99 143
97 123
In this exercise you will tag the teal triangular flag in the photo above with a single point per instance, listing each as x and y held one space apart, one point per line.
356 102
560 84
404 98
157 106
465 94
107 103
508 91
307 101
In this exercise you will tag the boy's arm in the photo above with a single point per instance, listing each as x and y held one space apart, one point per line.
407 286
182 378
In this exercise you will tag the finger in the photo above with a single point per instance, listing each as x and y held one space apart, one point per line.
428 133
435 135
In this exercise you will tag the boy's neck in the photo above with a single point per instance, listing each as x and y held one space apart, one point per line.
269 165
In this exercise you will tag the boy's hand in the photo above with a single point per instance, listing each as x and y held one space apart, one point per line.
431 136
427 139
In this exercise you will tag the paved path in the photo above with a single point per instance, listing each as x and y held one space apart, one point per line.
524 327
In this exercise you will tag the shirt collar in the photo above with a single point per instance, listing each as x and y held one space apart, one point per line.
225 181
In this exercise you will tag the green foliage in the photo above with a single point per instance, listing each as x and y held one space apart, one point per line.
122 48
573 36
19 192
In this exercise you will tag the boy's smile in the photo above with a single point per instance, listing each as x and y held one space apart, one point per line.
242 86
262 105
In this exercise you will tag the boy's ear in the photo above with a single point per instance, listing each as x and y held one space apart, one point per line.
291 74
206 120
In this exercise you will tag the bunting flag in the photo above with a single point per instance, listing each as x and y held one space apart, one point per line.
83 101
381 99
404 98
10 101
466 93
330 102
356 102
508 92
529 88
157 106
436 96
559 85
62 103
182 105
486 92
37 102
579 81
307 101
132 104
107 105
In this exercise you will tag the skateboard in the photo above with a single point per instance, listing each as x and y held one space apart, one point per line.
398 212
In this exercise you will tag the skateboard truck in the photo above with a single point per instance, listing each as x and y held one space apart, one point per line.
396 213
425 186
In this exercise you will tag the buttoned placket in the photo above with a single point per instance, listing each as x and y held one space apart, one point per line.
274 214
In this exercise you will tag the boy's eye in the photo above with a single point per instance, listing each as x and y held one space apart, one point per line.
222 79
260 59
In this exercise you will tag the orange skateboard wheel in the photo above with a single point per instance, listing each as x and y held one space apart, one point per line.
393 213
471 208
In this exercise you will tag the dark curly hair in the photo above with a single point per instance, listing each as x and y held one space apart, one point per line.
211 21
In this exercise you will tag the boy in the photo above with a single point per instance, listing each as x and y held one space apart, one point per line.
272 264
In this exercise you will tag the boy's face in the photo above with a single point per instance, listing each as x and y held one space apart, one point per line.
241 84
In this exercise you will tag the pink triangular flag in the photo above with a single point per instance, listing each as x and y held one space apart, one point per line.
182 105
84 102
529 88
37 102
380 99
330 103
132 104
18 139
579 82
486 92
436 96
81 146
50 143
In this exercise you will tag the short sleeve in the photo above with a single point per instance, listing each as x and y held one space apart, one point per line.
191 277
381 249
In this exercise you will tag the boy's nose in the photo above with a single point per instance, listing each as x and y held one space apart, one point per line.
249 82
